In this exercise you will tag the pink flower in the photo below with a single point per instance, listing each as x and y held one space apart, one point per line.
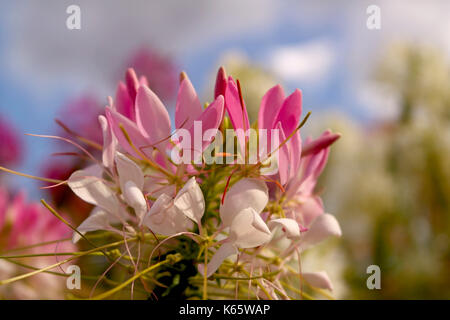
10 144
159 70
301 187
276 112
147 122
80 115
23 223
167 215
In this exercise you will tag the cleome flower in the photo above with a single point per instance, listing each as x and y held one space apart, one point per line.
200 221
146 120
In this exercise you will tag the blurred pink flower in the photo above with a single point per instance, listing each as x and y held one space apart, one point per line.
80 115
23 223
11 148
159 70
152 125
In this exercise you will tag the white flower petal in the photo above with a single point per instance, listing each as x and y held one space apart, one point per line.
226 250
248 230
318 279
321 228
289 226
135 198
88 185
165 219
128 171
246 193
190 201
109 143
99 219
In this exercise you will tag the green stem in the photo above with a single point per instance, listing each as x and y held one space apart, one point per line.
26 275
136 276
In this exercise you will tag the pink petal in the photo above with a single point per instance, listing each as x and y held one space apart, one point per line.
270 105
135 198
3 205
289 226
210 119
109 143
246 193
152 117
88 185
190 201
132 83
283 157
188 107
312 167
99 219
221 83
166 219
238 114
248 230
115 120
124 104
321 163
128 170
318 279
310 209
324 226
143 81
295 148
290 111
324 141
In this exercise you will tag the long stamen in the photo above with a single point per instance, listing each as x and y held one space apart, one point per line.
30 176
79 137
290 136
72 143
141 154
226 185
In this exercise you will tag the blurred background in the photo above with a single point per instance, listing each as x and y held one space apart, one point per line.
386 90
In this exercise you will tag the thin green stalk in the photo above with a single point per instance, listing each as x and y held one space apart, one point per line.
259 285
26 275
60 274
303 294
48 255
130 280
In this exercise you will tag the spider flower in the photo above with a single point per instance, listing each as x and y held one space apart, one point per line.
147 120
200 215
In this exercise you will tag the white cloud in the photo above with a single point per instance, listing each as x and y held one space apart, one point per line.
377 102
308 62
40 50
408 21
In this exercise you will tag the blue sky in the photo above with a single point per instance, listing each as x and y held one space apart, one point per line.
43 64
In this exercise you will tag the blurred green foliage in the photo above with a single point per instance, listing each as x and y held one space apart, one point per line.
389 184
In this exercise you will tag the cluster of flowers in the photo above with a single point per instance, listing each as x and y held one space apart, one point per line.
225 209
23 225
228 221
